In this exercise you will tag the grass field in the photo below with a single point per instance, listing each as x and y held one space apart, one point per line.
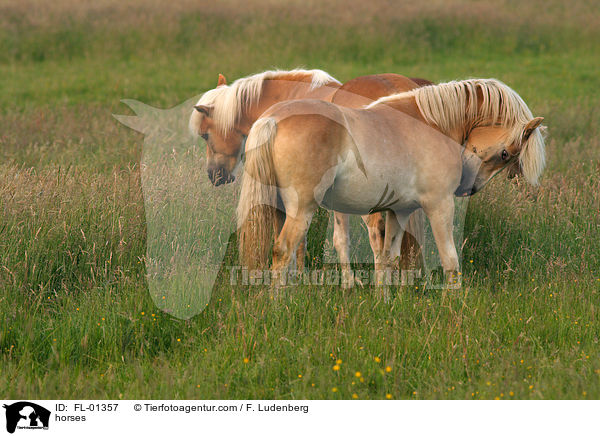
76 318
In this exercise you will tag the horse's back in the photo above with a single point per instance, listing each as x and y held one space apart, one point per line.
363 90
303 109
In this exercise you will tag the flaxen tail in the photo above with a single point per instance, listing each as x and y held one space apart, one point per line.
258 197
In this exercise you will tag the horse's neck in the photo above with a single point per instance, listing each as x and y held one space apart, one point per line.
275 91
409 107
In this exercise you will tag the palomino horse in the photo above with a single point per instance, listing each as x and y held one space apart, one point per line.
387 156
224 115
358 93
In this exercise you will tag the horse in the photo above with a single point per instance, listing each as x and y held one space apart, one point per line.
357 93
400 153
223 117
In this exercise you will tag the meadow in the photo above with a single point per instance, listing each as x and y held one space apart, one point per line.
76 317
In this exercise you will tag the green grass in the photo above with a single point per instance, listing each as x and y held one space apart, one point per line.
76 316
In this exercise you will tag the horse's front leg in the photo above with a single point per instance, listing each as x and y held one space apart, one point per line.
441 217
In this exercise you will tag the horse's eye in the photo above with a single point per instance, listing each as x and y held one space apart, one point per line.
504 154
204 136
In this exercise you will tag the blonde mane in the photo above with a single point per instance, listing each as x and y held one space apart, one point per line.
229 101
456 105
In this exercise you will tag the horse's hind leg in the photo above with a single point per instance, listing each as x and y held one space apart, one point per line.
277 226
394 227
297 261
278 222
301 255
441 217
376 228
293 232
411 256
341 242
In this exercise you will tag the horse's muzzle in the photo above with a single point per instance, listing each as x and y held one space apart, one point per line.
219 176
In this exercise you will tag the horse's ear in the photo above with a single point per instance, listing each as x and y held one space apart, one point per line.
202 109
222 80
531 126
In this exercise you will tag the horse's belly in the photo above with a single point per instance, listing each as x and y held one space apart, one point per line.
342 199
355 193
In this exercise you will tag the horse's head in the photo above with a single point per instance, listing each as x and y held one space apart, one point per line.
514 169
223 149
499 147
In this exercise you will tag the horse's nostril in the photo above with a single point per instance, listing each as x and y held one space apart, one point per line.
212 175
219 176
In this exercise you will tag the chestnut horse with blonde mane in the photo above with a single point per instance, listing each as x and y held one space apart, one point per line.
401 153
223 117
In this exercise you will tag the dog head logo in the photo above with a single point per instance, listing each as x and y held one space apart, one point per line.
24 414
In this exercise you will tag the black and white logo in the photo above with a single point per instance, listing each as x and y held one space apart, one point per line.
26 415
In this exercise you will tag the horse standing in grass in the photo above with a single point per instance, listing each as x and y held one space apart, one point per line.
224 116
401 153
358 93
